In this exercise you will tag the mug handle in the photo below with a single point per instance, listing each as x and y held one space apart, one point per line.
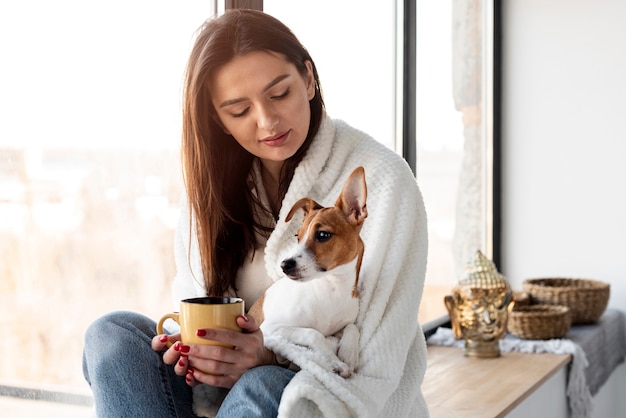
159 328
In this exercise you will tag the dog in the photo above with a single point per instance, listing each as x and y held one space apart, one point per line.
319 297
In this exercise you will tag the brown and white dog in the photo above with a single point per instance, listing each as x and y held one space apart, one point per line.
319 297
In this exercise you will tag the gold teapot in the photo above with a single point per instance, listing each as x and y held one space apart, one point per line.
479 307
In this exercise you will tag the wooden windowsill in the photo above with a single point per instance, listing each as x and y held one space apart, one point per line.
460 386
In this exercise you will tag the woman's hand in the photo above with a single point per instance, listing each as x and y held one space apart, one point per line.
216 365
175 353
163 342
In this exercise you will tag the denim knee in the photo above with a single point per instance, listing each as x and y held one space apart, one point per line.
113 336
257 393
126 376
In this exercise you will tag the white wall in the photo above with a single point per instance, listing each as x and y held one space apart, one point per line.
564 141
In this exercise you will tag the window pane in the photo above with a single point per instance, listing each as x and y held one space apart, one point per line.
452 159
90 179
353 45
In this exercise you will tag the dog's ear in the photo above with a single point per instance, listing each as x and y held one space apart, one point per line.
352 199
308 205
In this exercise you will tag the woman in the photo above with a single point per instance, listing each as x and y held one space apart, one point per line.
256 138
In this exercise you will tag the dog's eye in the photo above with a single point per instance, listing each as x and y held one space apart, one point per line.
322 236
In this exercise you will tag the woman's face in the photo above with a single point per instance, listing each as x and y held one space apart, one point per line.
263 102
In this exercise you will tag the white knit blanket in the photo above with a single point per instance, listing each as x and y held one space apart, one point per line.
392 346
387 380
579 397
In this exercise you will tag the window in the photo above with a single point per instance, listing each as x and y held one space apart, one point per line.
353 44
455 138
90 179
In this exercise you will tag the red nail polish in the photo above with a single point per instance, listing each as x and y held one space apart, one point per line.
181 363
201 333
163 338
177 346
183 348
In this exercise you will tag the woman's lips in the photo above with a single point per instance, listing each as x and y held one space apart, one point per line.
276 140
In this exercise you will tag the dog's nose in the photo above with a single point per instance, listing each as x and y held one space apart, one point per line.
288 265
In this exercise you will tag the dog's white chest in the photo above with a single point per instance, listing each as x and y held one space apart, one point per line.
325 304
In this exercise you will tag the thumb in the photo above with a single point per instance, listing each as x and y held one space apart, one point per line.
247 323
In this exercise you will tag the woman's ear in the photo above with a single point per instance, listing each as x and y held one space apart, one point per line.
310 80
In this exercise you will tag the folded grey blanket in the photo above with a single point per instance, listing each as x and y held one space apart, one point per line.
604 344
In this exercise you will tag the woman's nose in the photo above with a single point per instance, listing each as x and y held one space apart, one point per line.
267 118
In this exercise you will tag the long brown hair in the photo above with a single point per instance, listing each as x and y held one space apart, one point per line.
215 166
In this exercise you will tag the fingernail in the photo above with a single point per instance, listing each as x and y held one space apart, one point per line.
201 333
184 348
181 363
177 346
163 338
245 318
189 371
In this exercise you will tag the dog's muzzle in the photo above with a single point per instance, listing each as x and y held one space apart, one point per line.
289 267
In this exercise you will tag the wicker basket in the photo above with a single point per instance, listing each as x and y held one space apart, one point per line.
520 299
587 299
539 322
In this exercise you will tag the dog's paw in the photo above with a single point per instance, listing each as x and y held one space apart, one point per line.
348 351
343 370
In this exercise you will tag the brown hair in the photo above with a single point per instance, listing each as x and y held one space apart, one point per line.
215 166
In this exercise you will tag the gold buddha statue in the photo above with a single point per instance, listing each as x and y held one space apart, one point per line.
479 307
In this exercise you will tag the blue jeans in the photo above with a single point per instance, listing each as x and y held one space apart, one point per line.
129 379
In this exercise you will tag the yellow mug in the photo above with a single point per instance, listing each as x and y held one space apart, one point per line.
204 312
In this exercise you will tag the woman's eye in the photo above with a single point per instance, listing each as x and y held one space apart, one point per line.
240 114
322 236
281 96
